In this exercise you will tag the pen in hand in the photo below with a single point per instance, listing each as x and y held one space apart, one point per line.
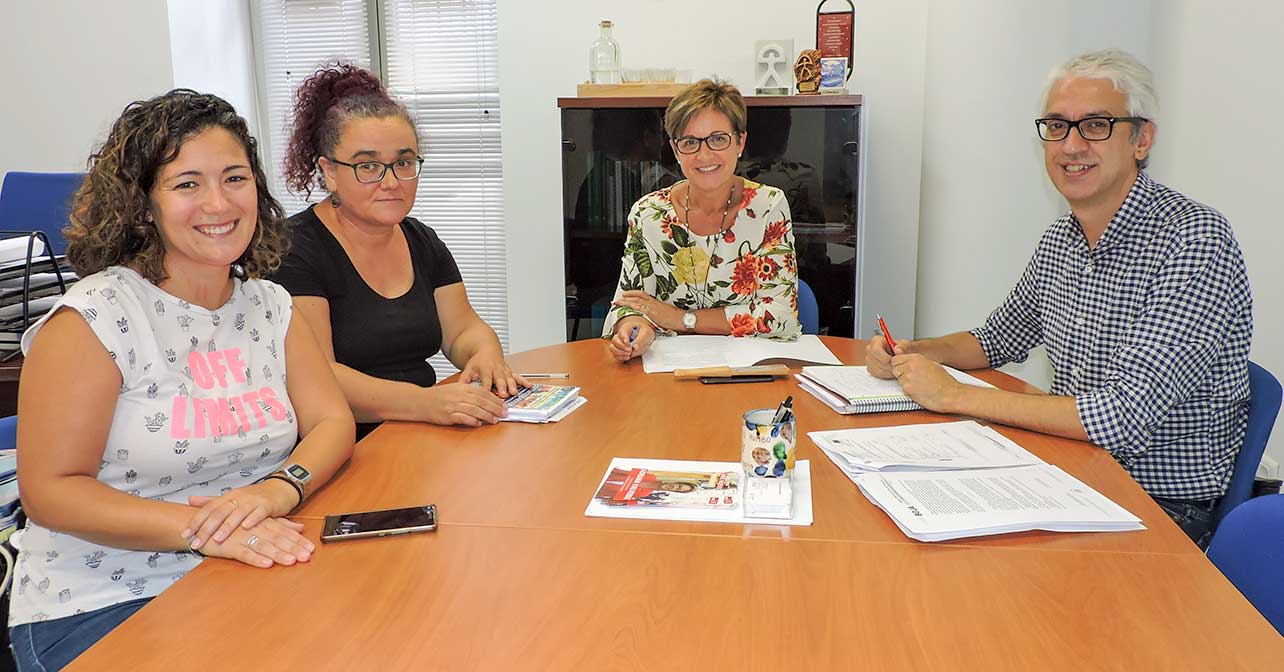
887 335
632 337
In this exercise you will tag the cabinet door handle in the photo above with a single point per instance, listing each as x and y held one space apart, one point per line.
850 146
568 145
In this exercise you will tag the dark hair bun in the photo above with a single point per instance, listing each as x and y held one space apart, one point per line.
312 102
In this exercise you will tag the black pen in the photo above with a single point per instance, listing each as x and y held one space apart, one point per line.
786 406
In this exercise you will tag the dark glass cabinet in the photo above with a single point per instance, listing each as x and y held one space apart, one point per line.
614 151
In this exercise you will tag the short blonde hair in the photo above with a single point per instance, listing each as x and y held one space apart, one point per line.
706 94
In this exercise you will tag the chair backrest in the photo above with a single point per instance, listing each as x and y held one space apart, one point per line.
1263 406
38 202
1249 549
808 311
9 432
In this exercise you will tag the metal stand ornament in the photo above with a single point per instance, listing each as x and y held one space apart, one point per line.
772 56
807 71
835 40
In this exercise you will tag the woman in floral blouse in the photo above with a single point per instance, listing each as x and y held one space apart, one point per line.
713 254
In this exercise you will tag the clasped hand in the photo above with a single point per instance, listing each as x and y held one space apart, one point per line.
246 524
660 313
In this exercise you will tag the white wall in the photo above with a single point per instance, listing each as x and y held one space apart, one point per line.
1217 66
544 53
212 51
70 67
986 196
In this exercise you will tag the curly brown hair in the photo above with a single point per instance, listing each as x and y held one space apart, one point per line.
327 99
109 213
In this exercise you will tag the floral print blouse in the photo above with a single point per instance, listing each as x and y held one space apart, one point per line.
751 269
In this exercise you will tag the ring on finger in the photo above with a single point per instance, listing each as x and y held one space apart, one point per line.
254 539
233 503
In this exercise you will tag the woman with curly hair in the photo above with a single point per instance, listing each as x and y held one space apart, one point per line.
379 288
714 253
159 425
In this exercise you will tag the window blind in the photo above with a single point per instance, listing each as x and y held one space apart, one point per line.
440 58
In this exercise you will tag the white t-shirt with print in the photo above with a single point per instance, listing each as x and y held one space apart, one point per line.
203 409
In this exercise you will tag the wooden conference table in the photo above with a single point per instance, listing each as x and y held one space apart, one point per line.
516 577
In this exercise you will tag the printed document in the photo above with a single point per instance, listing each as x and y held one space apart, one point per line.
947 445
692 352
942 505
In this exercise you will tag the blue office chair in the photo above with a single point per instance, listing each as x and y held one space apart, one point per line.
38 202
808 311
9 432
1263 406
1249 549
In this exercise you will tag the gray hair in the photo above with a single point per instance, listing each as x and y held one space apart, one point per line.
1128 75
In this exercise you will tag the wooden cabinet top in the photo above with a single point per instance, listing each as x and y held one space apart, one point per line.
818 100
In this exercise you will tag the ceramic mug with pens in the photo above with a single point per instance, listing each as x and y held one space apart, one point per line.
767 446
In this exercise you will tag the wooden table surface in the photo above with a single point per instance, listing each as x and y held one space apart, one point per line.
516 577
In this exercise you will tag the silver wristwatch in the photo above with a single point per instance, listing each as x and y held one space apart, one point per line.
689 320
297 475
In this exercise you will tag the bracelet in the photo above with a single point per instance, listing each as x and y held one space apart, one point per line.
297 489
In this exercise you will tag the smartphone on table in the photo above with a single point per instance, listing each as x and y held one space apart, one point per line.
343 526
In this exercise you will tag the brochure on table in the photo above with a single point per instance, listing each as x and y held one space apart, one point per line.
693 352
802 511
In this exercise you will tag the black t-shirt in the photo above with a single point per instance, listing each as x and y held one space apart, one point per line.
384 338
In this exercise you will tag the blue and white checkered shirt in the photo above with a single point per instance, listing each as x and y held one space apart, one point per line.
1149 331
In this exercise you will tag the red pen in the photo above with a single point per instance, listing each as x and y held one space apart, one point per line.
891 345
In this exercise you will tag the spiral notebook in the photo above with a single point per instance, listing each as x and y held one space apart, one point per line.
851 389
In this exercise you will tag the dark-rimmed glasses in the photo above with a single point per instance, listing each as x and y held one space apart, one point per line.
1095 129
690 144
369 172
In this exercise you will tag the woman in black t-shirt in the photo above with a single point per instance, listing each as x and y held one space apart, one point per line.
379 288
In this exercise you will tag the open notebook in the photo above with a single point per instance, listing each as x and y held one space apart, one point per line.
851 389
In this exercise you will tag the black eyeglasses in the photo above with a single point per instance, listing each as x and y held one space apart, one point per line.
1095 129
690 144
369 172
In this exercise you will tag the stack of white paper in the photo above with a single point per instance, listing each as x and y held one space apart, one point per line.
948 445
941 505
693 352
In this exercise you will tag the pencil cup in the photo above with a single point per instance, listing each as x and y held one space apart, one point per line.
767 449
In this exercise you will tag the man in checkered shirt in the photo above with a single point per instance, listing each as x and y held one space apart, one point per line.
1139 294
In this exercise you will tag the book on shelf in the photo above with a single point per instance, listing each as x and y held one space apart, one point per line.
852 389
543 403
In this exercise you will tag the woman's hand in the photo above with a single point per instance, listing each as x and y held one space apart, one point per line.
662 314
245 507
274 541
493 371
461 404
619 345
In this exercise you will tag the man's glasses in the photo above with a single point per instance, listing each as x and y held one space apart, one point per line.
689 144
1095 129
369 172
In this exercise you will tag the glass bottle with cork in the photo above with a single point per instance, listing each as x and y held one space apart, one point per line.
604 57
